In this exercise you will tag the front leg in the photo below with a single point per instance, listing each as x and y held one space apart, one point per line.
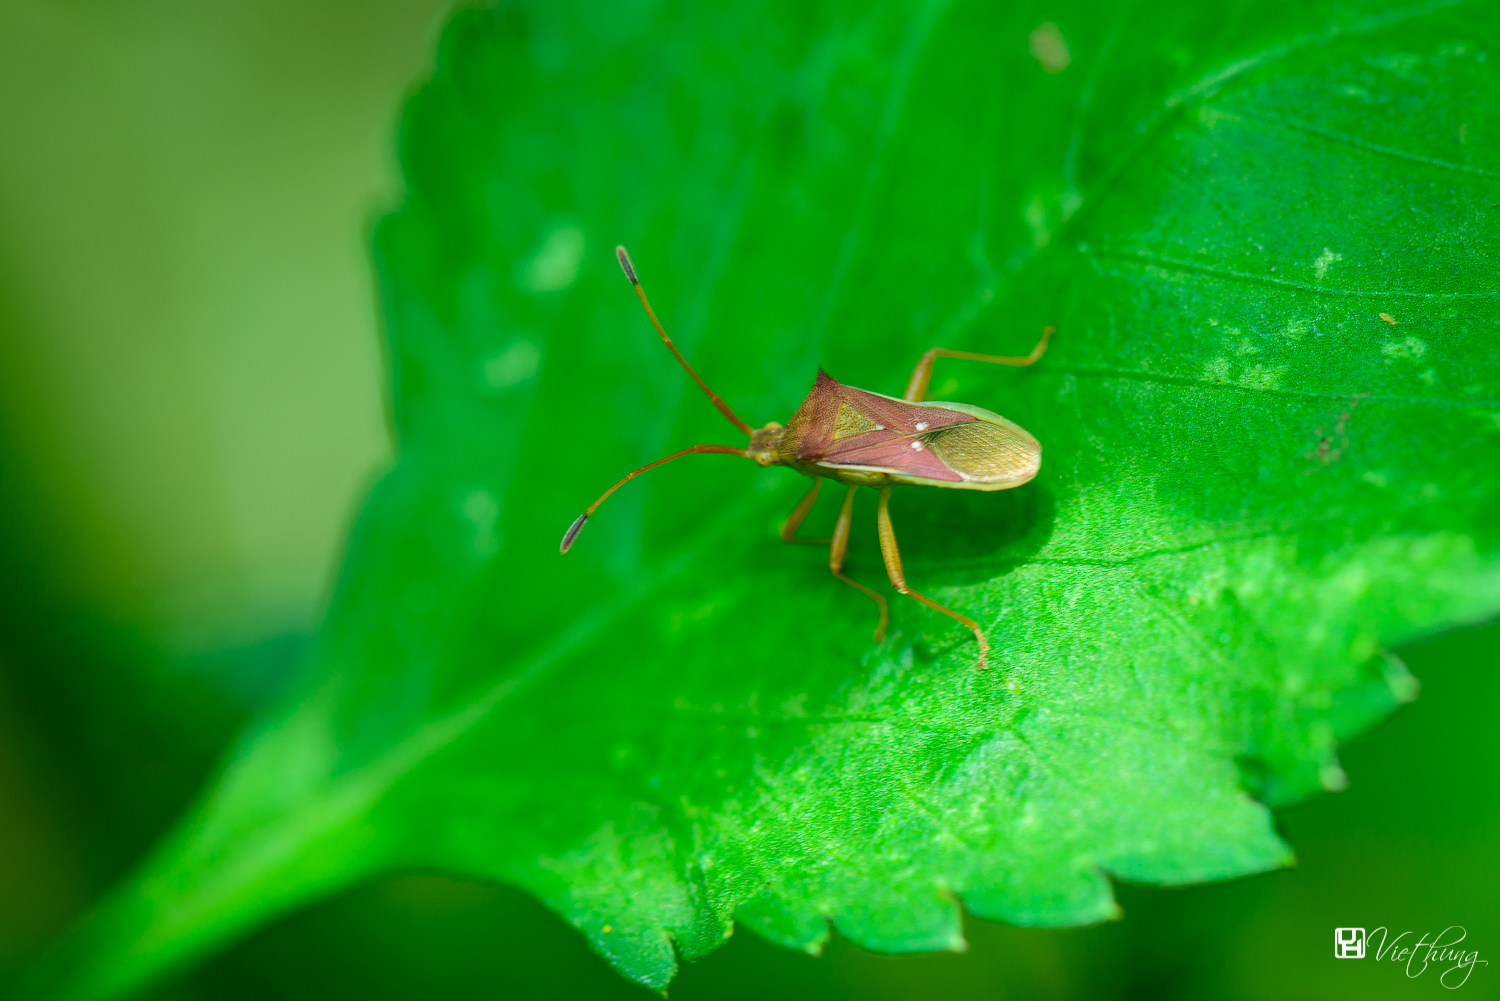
794 520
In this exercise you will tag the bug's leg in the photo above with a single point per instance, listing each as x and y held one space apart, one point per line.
916 386
898 579
836 551
794 520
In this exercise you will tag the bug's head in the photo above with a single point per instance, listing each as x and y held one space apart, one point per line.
765 444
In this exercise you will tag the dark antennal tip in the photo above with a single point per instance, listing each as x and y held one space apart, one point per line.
625 264
572 533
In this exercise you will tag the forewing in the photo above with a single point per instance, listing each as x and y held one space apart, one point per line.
898 415
875 430
842 426
891 451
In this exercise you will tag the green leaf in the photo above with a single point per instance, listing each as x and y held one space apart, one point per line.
1270 419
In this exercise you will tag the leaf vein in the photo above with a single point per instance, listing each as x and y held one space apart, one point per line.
1362 144
1306 394
1247 277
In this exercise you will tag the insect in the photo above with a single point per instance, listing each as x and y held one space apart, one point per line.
865 439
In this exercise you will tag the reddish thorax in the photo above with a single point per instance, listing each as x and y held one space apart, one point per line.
838 425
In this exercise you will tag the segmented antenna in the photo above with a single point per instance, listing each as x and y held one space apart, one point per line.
577 526
625 265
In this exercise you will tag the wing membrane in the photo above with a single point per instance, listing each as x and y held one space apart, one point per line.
983 452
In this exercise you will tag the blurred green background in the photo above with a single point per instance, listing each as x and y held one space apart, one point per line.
190 407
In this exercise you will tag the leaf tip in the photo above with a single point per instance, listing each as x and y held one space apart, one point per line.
624 258
572 533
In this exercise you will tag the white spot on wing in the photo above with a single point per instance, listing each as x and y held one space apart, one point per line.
916 446
921 425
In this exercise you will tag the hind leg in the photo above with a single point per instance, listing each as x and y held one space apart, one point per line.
898 578
916 387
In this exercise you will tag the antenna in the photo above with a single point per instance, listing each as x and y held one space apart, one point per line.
577 526
713 397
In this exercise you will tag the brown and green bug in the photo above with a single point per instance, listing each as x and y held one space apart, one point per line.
864 439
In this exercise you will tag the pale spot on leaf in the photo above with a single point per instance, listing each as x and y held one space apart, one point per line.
555 266
1320 266
1262 377
482 509
1216 370
1049 48
1036 219
1410 349
512 366
1211 116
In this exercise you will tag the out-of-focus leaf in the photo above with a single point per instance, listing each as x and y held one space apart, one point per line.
1271 431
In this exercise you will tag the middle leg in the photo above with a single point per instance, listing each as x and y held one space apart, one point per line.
898 578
